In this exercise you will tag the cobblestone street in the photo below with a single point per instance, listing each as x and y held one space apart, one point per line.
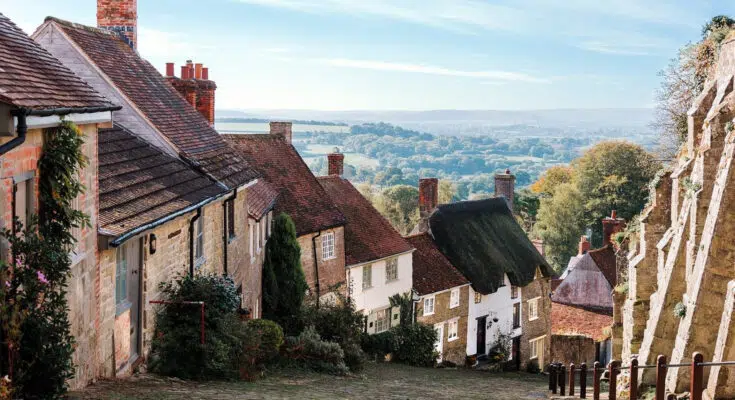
383 381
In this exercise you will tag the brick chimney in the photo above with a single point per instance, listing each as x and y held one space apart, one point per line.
282 129
336 163
119 16
505 185
610 226
428 196
584 245
195 87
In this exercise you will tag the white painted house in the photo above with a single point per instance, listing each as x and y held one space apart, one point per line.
493 315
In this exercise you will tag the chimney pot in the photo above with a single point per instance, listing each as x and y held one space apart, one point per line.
614 214
184 71
281 129
584 245
610 226
428 196
198 71
205 73
336 163
505 185
170 69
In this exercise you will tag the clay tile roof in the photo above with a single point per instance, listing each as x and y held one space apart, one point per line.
300 194
368 235
432 272
571 320
484 241
261 198
607 263
139 184
161 104
32 78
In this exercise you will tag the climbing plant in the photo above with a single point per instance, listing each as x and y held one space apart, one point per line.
35 324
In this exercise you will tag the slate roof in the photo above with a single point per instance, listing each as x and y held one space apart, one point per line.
586 285
32 78
568 320
300 194
484 241
606 261
139 184
368 235
432 272
161 104
261 198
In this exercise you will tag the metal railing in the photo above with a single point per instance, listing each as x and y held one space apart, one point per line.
561 377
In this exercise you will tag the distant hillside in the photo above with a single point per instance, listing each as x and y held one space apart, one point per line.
266 120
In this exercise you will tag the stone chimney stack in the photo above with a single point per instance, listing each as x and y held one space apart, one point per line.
195 87
336 163
119 16
428 196
505 185
584 245
610 226
282 130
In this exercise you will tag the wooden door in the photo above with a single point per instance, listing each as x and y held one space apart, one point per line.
133 252
481 332
439 345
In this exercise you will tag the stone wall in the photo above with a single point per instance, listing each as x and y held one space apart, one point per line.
455 350
331 272
575 349
540 327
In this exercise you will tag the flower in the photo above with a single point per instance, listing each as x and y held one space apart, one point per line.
42 277
7 283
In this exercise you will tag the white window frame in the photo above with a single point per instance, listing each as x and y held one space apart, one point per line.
430 300
328 252
121 277
383 324
533 308
533 347
367 276
454 298
27 204
391 263
452 330
199 240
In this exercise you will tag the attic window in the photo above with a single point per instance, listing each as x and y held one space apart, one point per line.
454 298
478 298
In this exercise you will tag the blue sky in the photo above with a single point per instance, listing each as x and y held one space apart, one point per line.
412 54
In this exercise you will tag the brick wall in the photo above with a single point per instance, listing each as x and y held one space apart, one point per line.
573 349
540 288
456 350
119 16
331 272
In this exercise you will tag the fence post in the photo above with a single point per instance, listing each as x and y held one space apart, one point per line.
583 381
660 377
572 369
697 374
562 380
552 378
613 369
596 381
634 379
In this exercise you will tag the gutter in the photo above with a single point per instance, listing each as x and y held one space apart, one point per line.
191 240
316 267
21 129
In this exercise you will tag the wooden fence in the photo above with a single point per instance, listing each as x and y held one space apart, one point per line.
562 377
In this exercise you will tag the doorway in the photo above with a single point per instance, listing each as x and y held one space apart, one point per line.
439 345
481 334
133 254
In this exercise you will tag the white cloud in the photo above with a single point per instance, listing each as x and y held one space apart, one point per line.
487 76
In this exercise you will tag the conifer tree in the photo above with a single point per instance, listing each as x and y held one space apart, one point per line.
284 282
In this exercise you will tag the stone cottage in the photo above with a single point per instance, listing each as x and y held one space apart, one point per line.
680 266
444 297
320 225
36 92
378 259
483 240
173 196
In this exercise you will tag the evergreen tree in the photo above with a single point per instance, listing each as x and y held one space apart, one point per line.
284 282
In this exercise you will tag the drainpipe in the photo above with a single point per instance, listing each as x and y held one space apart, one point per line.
191 240
225 233
21 129
316 267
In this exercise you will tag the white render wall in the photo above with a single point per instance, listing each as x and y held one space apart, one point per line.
376 297
498 304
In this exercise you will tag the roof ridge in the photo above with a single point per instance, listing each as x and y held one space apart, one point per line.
79 26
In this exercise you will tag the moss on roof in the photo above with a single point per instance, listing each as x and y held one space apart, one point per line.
483 240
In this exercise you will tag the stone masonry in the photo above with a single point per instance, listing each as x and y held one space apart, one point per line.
455 350
540 287
331 272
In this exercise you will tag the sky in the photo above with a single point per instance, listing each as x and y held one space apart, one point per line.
411 54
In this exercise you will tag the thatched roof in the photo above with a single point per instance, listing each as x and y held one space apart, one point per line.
483 240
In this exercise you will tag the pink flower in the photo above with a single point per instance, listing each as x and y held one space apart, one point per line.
7 283
42 277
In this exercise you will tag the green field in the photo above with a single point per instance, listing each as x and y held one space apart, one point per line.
255 127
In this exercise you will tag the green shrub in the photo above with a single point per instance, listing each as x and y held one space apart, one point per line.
176 349
532 367
414 344
262 340
377 345
309 350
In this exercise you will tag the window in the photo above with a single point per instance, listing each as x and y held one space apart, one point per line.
269 224
328 246
382 320
537 347
514 292
478 298
367 276
230 206
452 330
257 235
516 315
391 270
121 276
533 309
263 238
454 298
252 238
23 193
199 238
429 305
76 232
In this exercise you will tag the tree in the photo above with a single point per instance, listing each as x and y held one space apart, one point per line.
284 282
447 191
560 224
552 178
526 205
399 204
